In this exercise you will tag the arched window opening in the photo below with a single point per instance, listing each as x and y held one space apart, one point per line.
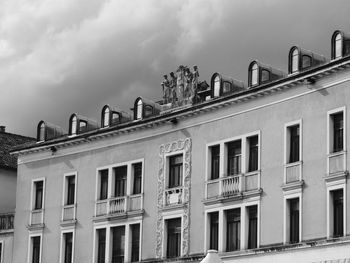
41 136
295 61
217 86
306 61
338 46
115 118
265 75
148 110
82 126
139 110
106 117
74 125
254 72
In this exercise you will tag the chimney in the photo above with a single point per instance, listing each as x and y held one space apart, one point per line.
2 128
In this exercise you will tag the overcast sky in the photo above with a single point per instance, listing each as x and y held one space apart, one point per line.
58 57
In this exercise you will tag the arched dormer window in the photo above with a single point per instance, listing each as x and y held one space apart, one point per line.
73 125
82 126
41 132
115 118
217 86
254 75
105 117
338 46
305 62
139 109
294 61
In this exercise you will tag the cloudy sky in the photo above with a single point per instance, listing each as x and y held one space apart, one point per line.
60 57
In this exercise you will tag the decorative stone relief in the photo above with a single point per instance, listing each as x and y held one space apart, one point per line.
164 149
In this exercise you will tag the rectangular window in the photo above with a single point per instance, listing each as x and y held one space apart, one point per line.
253 153
175 170
234 154
118 244
214 230
120 180
103 184
293 220
70 190
338 213
252 226
36 249
137 168
173 238
233 229
294 143
135 242
101 245
215 161
68 247
338 131
38 196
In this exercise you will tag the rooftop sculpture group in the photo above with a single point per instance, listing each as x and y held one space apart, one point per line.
182 87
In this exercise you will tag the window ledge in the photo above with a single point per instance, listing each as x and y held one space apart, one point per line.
296 185
117 216
68 223
293 164
338 176
336 153
36 227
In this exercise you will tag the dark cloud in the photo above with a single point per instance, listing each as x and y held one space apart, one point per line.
60 57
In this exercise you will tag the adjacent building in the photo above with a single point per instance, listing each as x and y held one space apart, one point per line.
258 172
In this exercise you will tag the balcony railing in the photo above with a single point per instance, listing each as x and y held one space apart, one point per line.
37 217
174 196
336 162
119 205
233 185
293 172
6 221
68 213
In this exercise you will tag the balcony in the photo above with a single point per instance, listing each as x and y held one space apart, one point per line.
6 222
115 206
173 196
234 185
37 217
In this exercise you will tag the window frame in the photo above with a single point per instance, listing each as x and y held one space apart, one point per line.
291 59
297 194
65 192
165 233
167 169
103 117
139 109
41 132
217 86
30 246
251 75
73 119
63 242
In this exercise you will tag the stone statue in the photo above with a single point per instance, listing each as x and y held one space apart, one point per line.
195 80
188 84
180 85
166 90
172 86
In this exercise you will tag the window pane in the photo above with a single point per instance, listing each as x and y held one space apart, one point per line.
215 161
101 246
74 125
175 171
253 227
254 74
306 62
42 132
233 229
118 244
217 86
36 249
295 61
338 46
106 117
68 247
174 238
338 209
39 195
214 230
294 147
338 132
234 158
103 184
120 180
294 220
70 189
253 153
139 109
135 242
137 178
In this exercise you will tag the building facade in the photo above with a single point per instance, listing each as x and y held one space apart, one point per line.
257 172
